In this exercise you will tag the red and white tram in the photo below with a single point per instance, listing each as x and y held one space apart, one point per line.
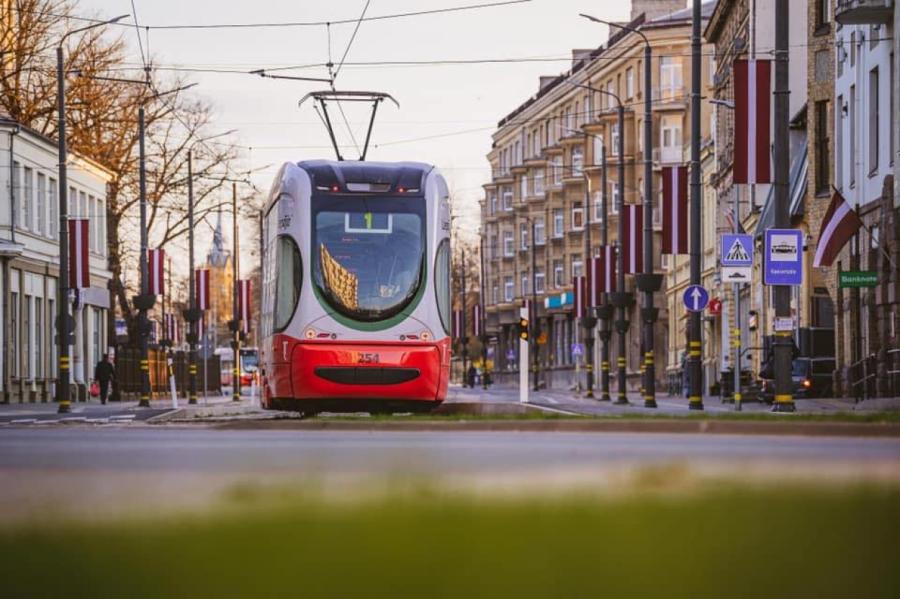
356 288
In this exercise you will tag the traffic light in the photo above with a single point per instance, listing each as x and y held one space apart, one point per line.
753 321
523 329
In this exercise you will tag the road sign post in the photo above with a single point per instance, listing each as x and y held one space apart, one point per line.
523 361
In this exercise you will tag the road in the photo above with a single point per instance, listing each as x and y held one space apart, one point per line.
101 470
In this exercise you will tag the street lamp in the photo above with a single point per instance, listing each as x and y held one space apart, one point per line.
648 282
65 326
620 299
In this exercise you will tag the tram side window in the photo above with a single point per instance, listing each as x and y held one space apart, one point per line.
289 275
442 283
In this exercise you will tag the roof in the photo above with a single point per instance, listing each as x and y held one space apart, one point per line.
325 173
678 17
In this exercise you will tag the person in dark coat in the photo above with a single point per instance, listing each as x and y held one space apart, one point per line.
104 373
470 376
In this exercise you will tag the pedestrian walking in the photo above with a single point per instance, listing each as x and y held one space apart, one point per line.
104 373
470 376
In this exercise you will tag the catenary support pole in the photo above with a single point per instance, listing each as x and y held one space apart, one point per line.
533 317
235 274
589 322
192 303
143 321
649 321
462 316
605 331
694 363
622 324
784 401
63 392
481 312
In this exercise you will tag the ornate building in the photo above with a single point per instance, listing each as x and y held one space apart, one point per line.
221 284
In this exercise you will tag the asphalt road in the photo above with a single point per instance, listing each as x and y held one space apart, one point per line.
100 470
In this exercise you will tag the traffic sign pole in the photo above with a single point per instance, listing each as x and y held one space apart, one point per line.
523 362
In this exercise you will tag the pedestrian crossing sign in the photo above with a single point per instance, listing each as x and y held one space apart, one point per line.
736 257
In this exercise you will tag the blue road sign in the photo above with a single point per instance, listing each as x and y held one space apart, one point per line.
783 257
737 250
695 298
577 349
510 355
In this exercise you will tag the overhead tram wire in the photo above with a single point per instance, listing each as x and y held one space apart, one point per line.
338 70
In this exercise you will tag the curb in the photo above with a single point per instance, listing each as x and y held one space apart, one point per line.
816 429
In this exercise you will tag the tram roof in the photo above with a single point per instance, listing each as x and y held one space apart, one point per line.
403 174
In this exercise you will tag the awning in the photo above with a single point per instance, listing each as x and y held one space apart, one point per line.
797 190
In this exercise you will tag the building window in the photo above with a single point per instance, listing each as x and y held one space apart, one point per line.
558 271
539 231
523 236
492 203
577 266
51 306
671 132
615 139
598 207
27 306
669 75
508 244
539 281
822 144
524 285
495 294
27 198
839 143
539 182
557 168
822 15
598 149
558 222
507 199
629 83
577 161
38 337
873 119
577 216
14 331
508 289
891 127
852 49
523 188
615 198
54 202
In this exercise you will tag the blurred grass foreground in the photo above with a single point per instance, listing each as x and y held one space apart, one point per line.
769 541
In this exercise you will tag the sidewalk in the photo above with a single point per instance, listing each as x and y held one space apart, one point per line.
572 401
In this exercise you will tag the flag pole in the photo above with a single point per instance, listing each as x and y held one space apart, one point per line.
868 230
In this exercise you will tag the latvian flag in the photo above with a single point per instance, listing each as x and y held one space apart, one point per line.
172 329
839 224
156 260
579 289
457 324
79 256
675 210
476 320
201 288
244 304
603 273
634 235
752 97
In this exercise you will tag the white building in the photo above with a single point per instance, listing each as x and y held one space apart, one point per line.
29 264
865 138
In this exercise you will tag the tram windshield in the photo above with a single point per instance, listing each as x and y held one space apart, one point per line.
368 253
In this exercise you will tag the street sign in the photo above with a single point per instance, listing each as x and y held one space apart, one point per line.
783 257
577 349
695 298
737 258
715 306
510 355
858 278
542 338
784 324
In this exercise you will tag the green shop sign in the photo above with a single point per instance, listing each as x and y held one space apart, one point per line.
858 278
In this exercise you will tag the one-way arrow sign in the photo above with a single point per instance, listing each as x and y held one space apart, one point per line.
695 298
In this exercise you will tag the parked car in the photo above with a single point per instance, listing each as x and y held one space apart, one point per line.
811 377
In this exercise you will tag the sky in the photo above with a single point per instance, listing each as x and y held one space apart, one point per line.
447 112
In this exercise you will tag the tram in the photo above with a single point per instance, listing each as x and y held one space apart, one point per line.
356 288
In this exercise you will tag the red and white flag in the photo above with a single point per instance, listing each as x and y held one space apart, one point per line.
840 223
172 329
156 261
604 274
675 210
476 320
201 288
634 237
457 324
79 254
244 304
752 99
579 290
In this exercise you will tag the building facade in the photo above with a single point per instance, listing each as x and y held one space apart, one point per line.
221 283
29 265
545 193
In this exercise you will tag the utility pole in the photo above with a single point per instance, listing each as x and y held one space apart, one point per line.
650 282
784 401
144 301
532 318
605 309
695 396
589 322
482 301
192 314
621 299
462 316
65 324
235 322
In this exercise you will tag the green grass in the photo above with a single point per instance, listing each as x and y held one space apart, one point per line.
720 541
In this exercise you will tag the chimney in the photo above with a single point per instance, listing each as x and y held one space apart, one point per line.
655 8
546 80
579 54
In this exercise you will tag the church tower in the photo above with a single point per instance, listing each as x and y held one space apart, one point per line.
221 284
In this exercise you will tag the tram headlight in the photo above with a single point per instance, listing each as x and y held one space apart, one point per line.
425 336
310 333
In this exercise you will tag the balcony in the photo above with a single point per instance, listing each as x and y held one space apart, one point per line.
667 155
864 12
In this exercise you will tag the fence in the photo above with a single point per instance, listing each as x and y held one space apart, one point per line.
128 372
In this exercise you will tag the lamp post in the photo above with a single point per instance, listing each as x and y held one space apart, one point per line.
65 326
647 282
482 316
235 322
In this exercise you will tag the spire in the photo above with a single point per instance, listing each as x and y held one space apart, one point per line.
218 254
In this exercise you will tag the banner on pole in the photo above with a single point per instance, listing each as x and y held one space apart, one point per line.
79 254
201 288
244 304
675 210
157 271
634 236
476 320
579 286
752 99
